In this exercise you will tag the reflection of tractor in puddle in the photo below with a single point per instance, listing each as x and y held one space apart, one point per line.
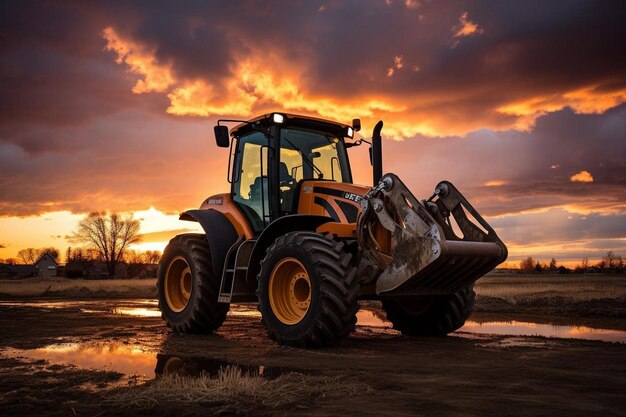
187 366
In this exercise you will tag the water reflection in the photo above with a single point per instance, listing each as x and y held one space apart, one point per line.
366 318
132 360
369 318
117 357
519 328
136 312
197 366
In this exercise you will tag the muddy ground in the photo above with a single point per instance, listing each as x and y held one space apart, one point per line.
376 371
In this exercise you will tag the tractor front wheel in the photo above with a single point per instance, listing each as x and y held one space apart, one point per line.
187 288
431 316
307 290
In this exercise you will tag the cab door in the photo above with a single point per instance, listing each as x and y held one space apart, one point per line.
250 182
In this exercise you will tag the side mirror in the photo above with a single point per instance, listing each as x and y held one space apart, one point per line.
356 124
221 136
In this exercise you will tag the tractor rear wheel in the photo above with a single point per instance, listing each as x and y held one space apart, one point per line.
431 316
187 288
308 290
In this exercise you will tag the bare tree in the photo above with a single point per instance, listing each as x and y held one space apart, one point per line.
552 266
53 252
152 257
610 260
28 256
133 257
527 265
109 234
585 264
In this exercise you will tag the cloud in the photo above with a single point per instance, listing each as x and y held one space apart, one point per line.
156 77
162 236
530 229
2 246
582 176
511 171
412 4
465 28
495 183
205 60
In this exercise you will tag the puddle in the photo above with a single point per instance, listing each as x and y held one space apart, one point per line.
368 318
132 361
117 357
243 313
136 312
365 319
518 328
45 304
197 366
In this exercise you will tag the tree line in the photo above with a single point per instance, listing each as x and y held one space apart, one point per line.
104 237
610 261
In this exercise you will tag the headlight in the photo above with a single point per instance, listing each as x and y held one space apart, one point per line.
278 118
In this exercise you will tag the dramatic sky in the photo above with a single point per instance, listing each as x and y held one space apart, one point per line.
109 106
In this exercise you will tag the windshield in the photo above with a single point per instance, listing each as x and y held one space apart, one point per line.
313 155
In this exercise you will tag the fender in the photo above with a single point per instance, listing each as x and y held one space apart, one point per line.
220 234
280 226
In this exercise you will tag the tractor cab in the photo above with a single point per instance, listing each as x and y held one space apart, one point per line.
265 184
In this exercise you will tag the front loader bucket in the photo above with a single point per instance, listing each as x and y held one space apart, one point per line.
438 246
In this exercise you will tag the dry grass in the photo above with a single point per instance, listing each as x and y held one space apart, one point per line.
76 288
563 295
233 390
579 287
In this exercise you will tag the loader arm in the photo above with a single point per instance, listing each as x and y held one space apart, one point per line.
426 255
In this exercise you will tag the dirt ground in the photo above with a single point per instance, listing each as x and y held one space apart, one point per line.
374 372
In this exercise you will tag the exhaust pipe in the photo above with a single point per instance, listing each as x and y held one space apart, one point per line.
377 152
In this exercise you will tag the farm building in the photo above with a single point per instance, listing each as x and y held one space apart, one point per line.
17 271
47 266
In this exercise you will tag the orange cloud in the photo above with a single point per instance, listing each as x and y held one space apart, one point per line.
157 77
582 176
495 183
412 4
250 89
257 83
465 28
587 100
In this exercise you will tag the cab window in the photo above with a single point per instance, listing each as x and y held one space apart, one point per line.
250 190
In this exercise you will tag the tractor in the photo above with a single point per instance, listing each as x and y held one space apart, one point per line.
295 236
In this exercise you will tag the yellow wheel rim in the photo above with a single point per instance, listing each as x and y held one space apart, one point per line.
290 291
177 284
174 365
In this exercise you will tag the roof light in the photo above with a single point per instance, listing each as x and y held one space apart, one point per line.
350 132
278 118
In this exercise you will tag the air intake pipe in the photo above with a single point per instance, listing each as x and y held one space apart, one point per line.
377 152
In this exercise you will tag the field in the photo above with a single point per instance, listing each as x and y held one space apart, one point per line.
100 348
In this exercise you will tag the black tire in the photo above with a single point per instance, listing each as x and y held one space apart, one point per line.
431 316
334 289
202 313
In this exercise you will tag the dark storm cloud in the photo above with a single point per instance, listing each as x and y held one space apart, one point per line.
526 48
132 161
52 53
533 168
53 70
564 227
